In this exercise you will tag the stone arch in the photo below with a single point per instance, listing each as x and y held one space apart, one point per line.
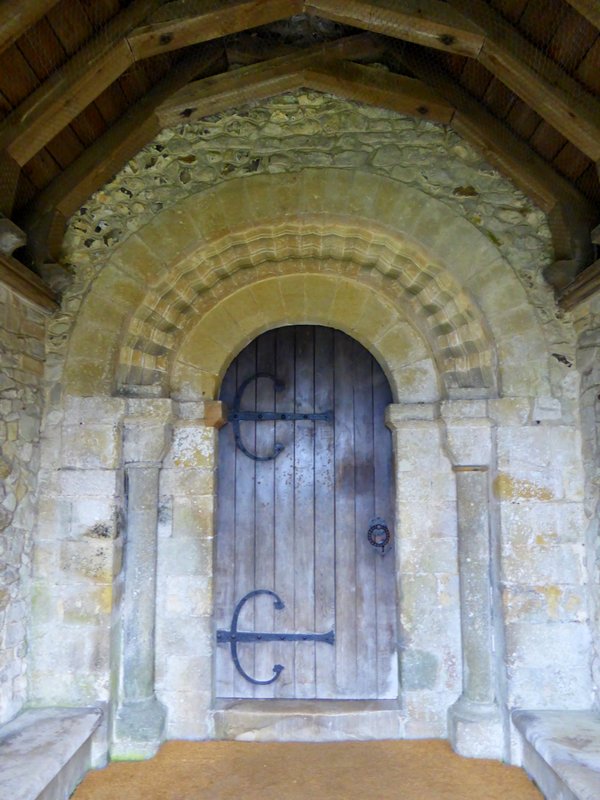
435 264
334 300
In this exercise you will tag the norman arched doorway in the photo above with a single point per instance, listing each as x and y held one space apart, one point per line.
297 499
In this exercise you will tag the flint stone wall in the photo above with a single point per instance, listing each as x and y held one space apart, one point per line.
22 332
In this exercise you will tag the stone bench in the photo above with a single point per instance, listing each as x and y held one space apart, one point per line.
561 752
45 752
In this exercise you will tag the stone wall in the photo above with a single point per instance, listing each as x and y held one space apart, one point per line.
588 363
288 134
533 480
22 330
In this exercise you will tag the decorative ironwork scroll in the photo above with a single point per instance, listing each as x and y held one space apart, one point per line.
237 415
234 637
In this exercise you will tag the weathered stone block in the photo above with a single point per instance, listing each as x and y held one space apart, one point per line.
546 564
553 687
192 447
93 410
187 555
545 409
529 645
189 595
544 603
95 517
91 446
88 559
193 517
88 482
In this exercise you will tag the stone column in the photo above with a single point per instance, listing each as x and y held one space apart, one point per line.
140 718
475 720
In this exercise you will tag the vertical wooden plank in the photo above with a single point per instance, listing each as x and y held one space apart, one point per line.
386 601
264 529
364 507
298 524
284 511
244 555
325 533
304 513
345 557
225 556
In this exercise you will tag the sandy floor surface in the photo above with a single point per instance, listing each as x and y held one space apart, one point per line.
402 770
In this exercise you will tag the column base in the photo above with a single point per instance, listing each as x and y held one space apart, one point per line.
475 730
138 731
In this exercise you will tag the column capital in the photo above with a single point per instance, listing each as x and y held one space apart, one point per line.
146 431
411 415
210 413
468 434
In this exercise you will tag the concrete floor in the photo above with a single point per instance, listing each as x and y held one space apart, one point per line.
402 770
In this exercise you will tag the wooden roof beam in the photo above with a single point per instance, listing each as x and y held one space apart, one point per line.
318 68
535 78
26 283
590 9
69 90
570 214
16 16
585 285
431 23
181 23
45 220
377 87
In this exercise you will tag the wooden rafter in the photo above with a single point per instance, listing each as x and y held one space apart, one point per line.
317 68
536 79
123 140
586 284
590 9
26 283
445 25
46 218
431 23
16 16
97 165
63 96
180 24
571 215
372 86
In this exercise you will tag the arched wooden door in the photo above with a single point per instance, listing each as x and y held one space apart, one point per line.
298 524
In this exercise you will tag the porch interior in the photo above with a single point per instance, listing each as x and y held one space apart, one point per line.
179 178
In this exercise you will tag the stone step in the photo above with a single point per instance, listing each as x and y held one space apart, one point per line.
45 752
308 720
561 752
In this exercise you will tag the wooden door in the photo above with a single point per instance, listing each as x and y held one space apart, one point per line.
298 524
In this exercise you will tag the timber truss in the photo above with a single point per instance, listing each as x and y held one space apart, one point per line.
223 65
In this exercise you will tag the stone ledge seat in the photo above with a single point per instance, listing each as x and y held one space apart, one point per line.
561 752
45 752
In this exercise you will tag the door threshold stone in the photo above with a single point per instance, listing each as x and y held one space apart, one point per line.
307 720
